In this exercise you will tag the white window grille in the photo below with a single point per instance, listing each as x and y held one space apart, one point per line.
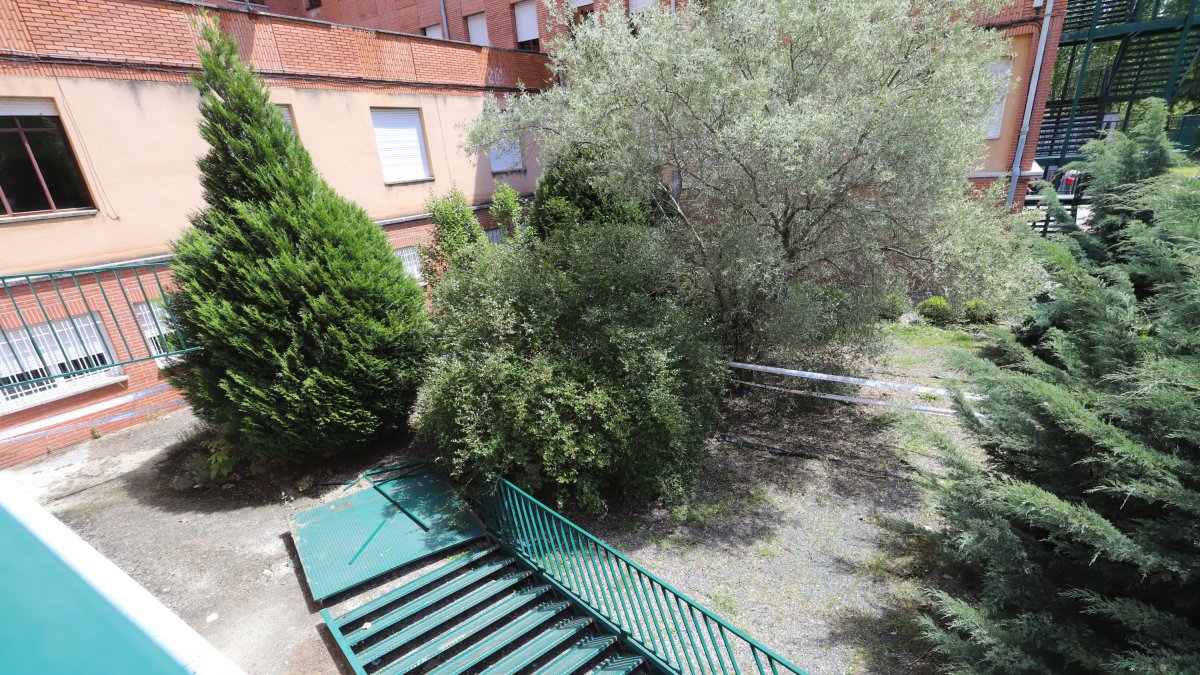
412 262
155 323
495 236
75 348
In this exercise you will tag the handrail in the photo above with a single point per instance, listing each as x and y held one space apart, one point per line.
682 635
68 324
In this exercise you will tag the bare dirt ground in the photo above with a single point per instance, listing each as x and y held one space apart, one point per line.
811 553
806 551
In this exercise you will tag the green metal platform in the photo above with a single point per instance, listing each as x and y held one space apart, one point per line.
397 521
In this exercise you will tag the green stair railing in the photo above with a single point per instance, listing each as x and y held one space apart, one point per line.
67 328
676 633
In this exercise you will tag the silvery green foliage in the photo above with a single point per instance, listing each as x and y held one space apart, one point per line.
822 137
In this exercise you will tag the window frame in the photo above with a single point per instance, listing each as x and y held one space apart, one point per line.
995 118
422 137
530 44
487 39
155 334
6 211
415 273
519 154
46 343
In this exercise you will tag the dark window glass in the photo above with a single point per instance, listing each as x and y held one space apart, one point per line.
533 45
61 173
52 157
18 178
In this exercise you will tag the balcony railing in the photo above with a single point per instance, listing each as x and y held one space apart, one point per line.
75 329
671 629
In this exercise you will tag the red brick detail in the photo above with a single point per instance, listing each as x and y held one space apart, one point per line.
158 36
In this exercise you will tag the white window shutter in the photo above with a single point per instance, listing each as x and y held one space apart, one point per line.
506 157
27 107
525 13
286 111
1002 71
434 31
638 6
580 3
401 144
477 31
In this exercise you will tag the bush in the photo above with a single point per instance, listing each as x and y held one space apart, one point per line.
893 306
313 336
978 311
506 208
1077 539
565 367
455 227
566 197
936 310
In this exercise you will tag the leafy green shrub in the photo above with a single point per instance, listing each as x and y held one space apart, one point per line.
565 367
978 311
565 197
506 208
313 336
936 310
893 306
1077 539
455 227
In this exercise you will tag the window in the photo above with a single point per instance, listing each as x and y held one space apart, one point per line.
1001 70
477 32
506 157
525 16
156 327
434 31
312 4
56 348
286 111
38 170
401 144
639 6
495 236
412 262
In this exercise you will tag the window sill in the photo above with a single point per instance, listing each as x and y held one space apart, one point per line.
6 220
59 393
503 172
411 181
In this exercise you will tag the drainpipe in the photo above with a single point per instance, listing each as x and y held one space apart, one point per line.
446 24
1029 99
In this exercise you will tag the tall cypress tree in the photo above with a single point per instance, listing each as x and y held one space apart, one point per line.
313 336
1079 541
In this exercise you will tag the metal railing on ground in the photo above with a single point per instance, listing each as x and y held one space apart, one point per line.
676 633
70 328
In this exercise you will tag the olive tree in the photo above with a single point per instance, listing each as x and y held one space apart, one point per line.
804 153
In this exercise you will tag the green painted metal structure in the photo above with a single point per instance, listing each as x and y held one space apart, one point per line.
410 515
55 623
1111 54
538 594
76 323
673 632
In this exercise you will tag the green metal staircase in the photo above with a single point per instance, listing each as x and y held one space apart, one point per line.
482 611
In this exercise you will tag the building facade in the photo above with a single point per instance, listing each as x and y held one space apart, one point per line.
99 142
98 150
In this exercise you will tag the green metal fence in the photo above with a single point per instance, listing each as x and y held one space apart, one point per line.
676 633
71 327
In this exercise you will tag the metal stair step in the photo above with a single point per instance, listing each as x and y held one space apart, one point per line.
427 600
538 647
412 586
620 665
463 631
577 656
441 616
506 636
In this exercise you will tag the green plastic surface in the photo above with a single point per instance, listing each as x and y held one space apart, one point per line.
357 538
54 623
578 655
538 647
501 639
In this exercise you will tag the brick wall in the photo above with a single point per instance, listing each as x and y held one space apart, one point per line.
74 417
157 36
